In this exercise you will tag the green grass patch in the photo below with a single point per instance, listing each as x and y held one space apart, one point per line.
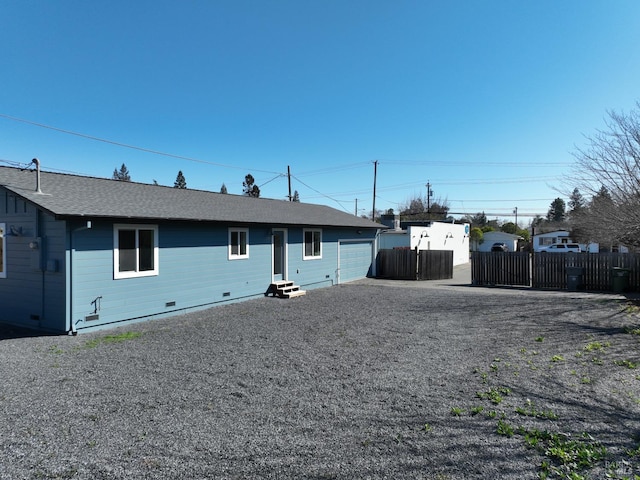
121 337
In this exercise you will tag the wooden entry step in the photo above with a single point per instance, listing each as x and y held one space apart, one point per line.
285 289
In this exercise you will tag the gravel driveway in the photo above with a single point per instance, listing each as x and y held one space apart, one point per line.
366 380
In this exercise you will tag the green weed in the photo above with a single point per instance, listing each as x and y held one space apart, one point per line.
531 411
596 346
494 394
121 337
504 429
568 455
457 411
635 452
626 363
632 330
631 309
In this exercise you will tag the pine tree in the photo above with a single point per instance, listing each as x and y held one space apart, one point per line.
556 211
122 174
576 201
296 197
249 187
223 188
180 182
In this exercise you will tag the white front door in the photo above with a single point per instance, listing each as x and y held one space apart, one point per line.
279 254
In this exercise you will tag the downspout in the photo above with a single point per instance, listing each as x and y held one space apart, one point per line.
40 252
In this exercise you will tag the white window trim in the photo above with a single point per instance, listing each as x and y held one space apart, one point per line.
238 256
117 274
3 241
304 244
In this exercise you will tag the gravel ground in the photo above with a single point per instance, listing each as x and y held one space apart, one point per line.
354 381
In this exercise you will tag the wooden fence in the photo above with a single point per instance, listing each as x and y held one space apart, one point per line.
500 268
406 264
550 270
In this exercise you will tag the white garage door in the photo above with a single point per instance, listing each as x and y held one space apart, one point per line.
354 259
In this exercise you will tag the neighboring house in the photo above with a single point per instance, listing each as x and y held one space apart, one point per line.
489 238
430 236
543 240
79 252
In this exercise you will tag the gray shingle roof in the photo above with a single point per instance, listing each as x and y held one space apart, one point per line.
78 196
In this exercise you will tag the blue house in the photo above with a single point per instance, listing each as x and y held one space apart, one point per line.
79 253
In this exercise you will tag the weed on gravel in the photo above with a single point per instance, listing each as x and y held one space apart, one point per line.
557 445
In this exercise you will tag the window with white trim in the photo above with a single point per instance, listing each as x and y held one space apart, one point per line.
3 251
135 251
312 244
238 243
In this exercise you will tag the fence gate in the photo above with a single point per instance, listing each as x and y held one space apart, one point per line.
435 264
501 268
406 264
399 264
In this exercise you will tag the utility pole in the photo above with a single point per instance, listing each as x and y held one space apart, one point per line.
289 177
375 174
356 207
515 210
429 195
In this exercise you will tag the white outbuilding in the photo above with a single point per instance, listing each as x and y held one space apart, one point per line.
427 236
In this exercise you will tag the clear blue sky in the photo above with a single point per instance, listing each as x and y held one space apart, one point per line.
486 100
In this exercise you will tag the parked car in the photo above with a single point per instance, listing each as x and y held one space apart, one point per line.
499 247
562 248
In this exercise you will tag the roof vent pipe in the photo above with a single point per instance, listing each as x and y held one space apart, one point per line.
37 162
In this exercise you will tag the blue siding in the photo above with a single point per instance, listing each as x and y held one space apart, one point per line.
194 272
54 274
30 295
314 273
320 272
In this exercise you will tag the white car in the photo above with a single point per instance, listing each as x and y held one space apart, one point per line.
561 248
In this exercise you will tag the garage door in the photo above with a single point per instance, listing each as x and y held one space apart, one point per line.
354 259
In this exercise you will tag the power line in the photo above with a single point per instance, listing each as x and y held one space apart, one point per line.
280 175
497 214
15 164
331 170
431 163
133 147
320 193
